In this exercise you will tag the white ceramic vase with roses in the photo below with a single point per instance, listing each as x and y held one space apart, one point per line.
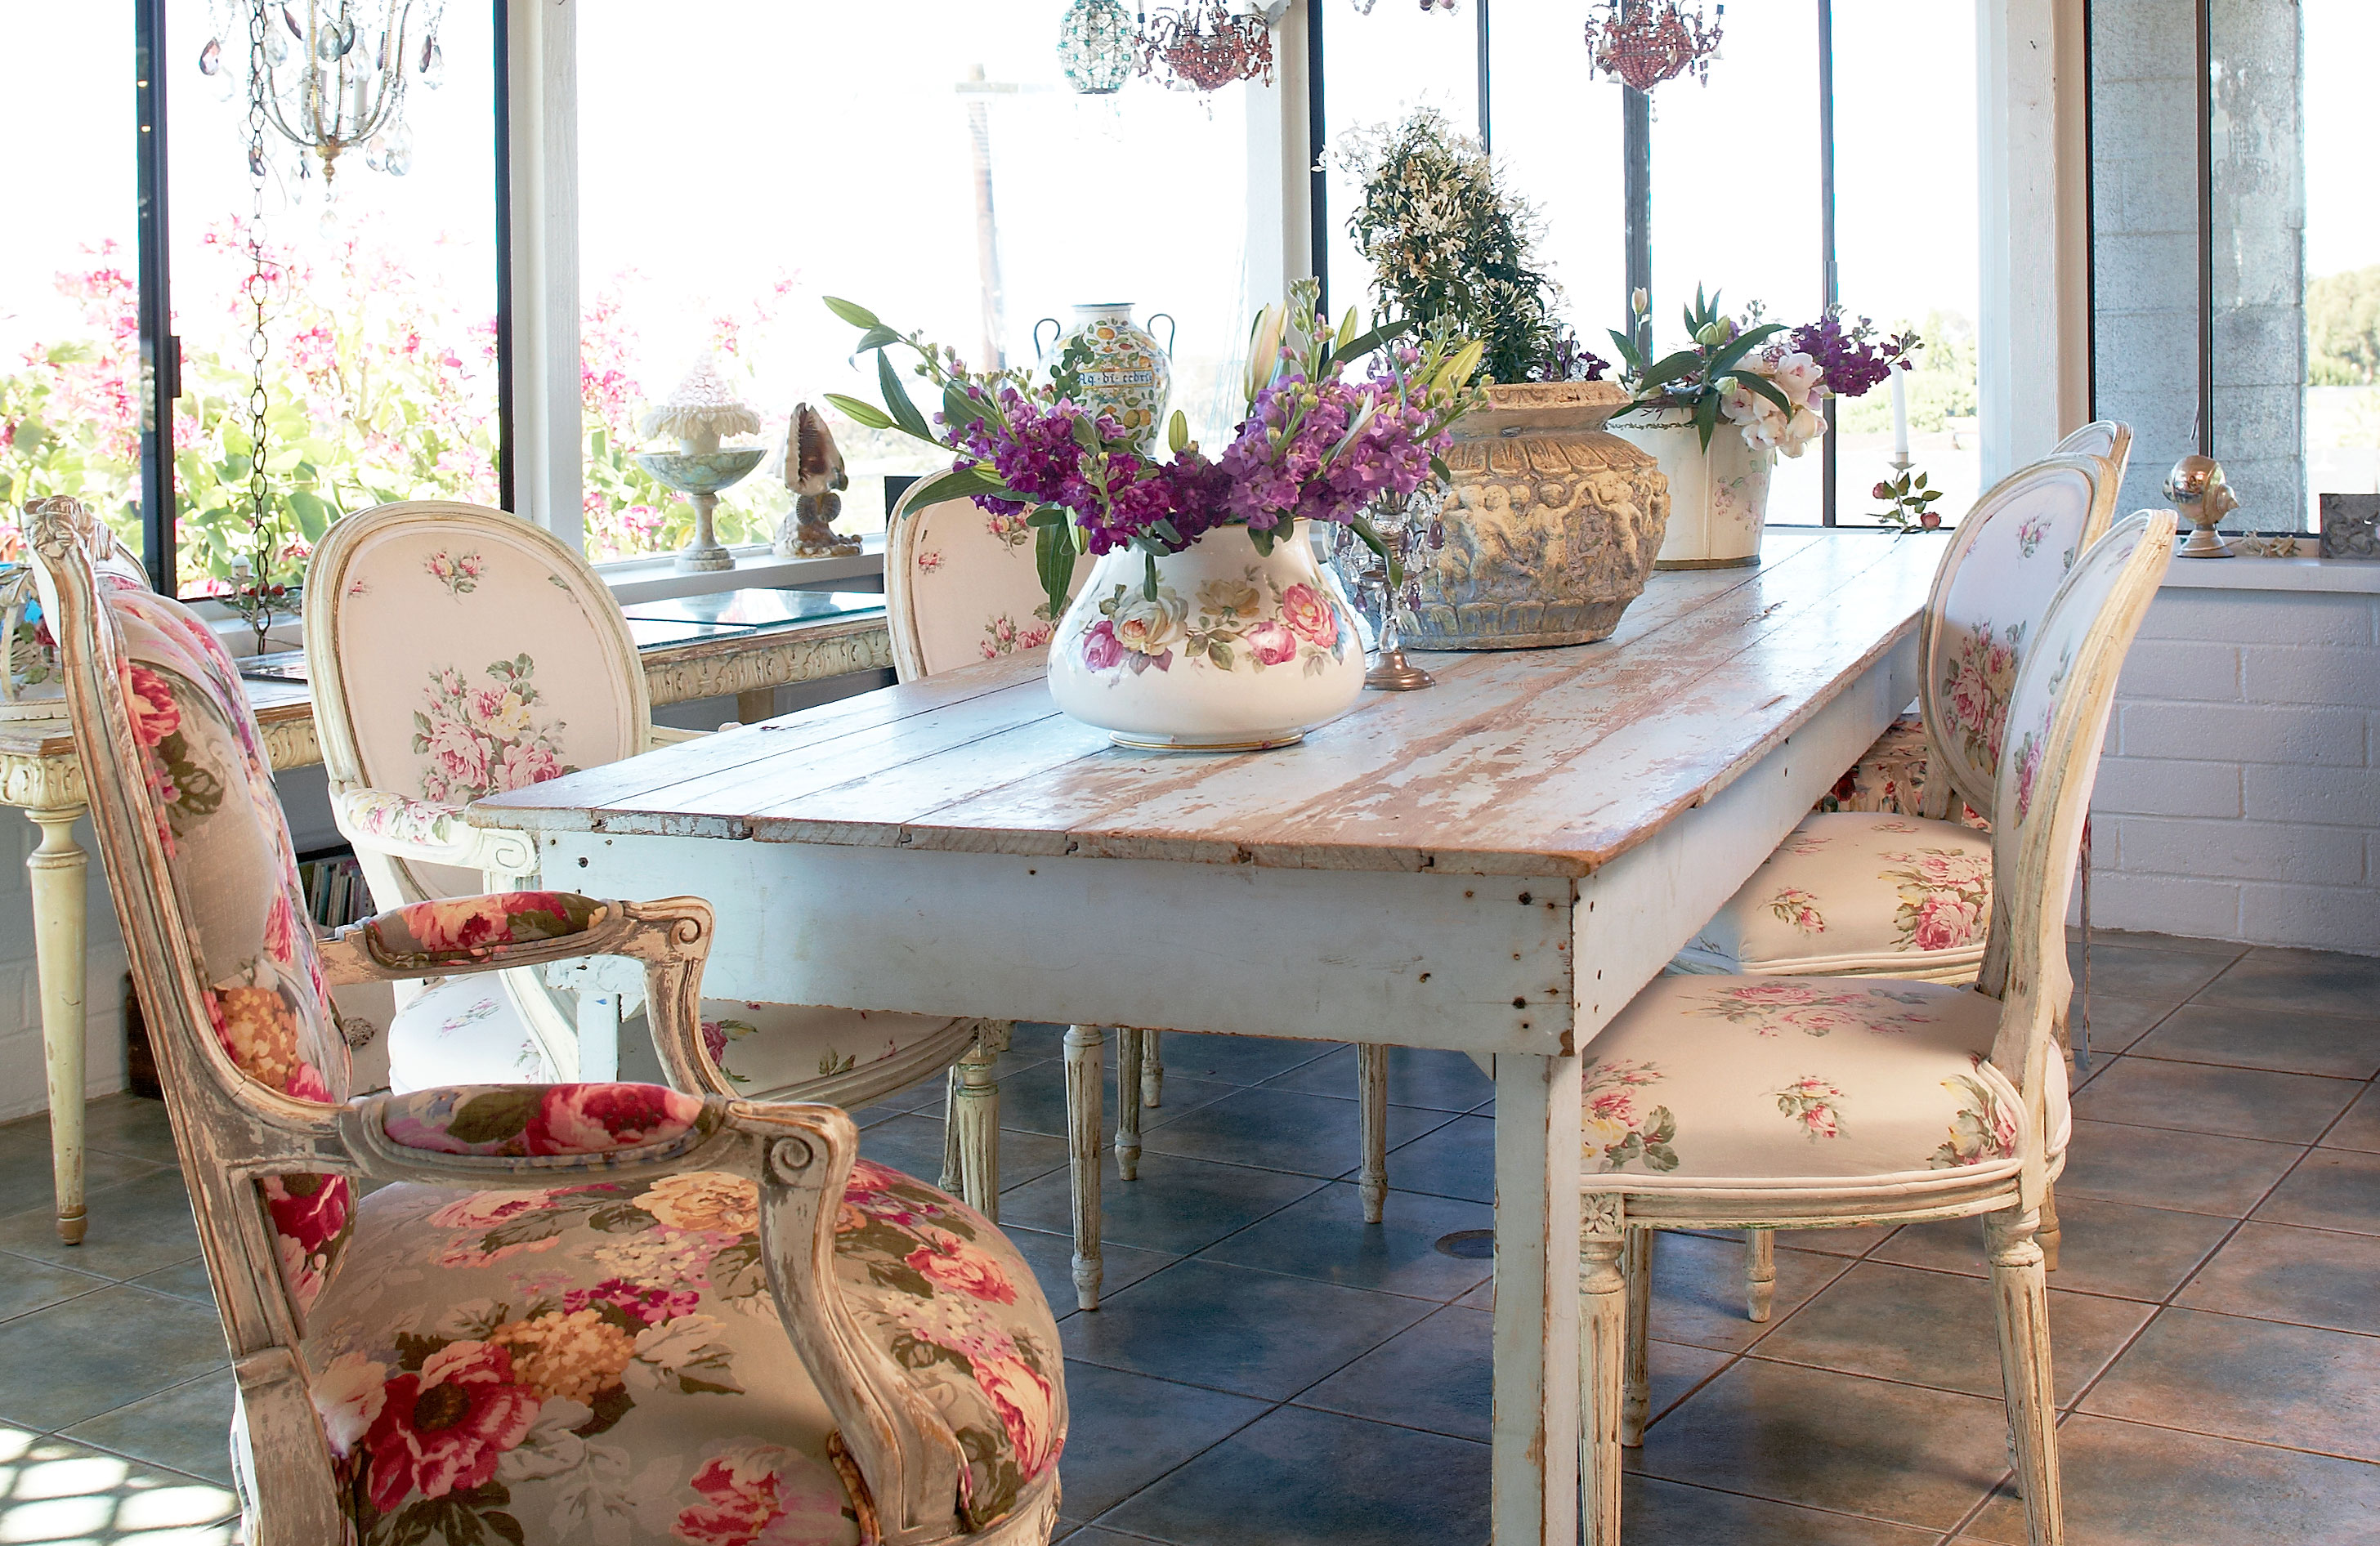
1719 498
1237 651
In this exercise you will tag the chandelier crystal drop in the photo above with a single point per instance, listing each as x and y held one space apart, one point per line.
1642 43
336 70
1206 47
1099 46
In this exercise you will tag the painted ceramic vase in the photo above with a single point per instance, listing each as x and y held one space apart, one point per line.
1719 499
1550 529
1239 651
1129 377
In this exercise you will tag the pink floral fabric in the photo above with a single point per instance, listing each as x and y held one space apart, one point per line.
527 1120
1890 779
426 936
210 801
486 733
1765 1079
974 590
603 1363
2005 563
1858 892
384 813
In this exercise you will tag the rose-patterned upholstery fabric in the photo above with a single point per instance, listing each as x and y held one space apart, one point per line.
1767 1080
972 590
2005 563
384 814
506 667
1853 892
209 790
626 1122
466 1030
456 931
601 1362
1889 778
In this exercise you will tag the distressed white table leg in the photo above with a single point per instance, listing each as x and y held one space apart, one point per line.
1152 1068
2021 1300
1759 1273
61 878
1603 1354
1129 1043
1372 1099
1534 1444
1085 1074
1636 1397
976 1121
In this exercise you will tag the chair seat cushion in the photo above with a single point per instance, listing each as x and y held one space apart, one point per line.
1858 892
603 1362
1783 1083
466 1030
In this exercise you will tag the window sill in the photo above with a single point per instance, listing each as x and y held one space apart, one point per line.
659 579
2245 572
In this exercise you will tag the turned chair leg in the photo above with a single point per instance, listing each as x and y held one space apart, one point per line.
973 1125
1636 1397
2046 1235
2020 1299
951 1182
1084 1076
1152 1068
1602 1354
1759 1273
1129 1053
1372 1096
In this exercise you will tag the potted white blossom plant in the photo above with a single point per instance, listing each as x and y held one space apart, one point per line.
1717 413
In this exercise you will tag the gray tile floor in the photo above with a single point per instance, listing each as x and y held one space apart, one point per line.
1266 1369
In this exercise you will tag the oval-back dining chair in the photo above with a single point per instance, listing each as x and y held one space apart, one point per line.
961 587
1801 1102
569 1313
457 651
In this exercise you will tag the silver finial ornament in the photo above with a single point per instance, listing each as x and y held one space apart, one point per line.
2197 488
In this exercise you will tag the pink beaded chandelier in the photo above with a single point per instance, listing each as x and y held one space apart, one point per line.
1644 43
1206 47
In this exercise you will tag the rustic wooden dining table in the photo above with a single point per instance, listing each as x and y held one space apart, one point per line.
1494 866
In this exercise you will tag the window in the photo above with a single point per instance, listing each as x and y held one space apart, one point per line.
70 344
381 378
1751 198
2342 254
965 192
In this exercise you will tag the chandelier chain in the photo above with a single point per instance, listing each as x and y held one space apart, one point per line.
259 286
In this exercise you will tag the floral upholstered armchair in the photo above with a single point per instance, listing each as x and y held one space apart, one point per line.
581 1312
457 651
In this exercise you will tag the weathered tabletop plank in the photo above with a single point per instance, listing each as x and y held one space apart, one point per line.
1541 762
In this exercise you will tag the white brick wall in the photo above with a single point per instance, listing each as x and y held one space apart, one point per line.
2239 794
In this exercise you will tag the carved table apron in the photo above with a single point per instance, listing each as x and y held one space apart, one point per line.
40 774
1493 866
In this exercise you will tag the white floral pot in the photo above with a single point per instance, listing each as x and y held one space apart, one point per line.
1719 499
1239 651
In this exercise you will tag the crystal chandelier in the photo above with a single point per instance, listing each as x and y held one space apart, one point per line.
1644 43
1204 48
1098 47
335 73
1364 7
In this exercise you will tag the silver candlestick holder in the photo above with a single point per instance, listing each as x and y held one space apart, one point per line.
1394 520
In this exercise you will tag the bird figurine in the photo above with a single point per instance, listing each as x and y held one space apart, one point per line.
2197 488
814 472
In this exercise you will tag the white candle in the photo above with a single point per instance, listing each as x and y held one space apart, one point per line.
1900 415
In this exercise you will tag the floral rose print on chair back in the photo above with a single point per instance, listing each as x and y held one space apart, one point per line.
503 648
961 587
213 812
2004 563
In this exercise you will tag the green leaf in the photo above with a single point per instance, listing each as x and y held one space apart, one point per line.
1364 343
866 414
1149 577
1437 467
493 1117
896 399
1053 557
853 312
959 410
1706 417
1762 386
875 338
957 484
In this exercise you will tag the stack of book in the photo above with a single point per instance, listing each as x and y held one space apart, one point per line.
336 894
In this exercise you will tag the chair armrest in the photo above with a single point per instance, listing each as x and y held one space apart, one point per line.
463 935
386 821
666 735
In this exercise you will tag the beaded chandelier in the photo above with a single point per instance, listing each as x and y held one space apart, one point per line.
1204 48
1098 47
1644 43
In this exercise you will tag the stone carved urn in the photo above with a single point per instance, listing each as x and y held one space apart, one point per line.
1550 527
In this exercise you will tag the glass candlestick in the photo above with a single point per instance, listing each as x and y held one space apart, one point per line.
1394 519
